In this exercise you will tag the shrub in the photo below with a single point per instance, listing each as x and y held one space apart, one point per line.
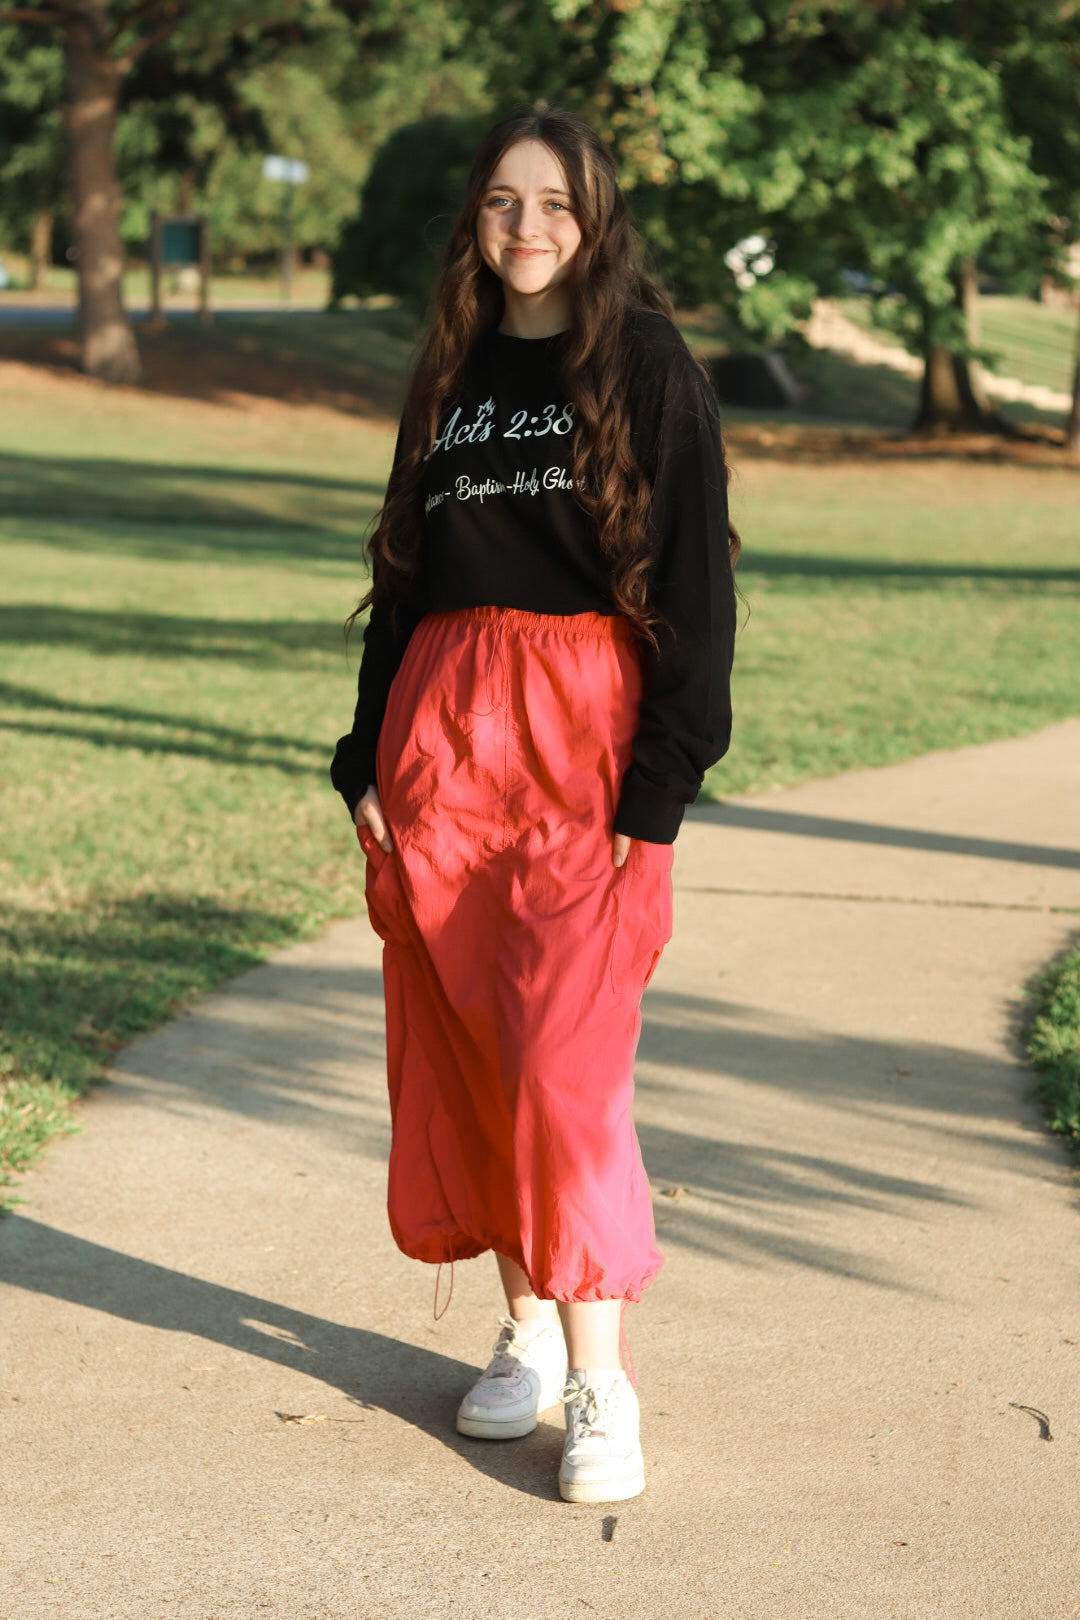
1053 1043
407 207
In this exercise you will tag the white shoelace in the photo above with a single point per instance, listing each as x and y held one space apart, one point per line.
506 1356
591 1421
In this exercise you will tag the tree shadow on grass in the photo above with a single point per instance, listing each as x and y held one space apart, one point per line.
354 362
273 642
77 503
28 697
151 732
794 565
289 546
77 983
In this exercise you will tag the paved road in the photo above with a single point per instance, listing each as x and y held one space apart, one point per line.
223 1393
64 315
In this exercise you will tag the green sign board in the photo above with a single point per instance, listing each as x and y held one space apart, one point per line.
180 242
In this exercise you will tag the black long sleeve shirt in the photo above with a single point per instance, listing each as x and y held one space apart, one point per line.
502 528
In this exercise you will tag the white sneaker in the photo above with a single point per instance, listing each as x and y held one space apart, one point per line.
524 1376
602 1459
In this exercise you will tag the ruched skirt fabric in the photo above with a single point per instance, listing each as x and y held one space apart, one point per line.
515 952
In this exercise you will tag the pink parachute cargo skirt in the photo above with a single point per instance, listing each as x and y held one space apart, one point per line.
515 952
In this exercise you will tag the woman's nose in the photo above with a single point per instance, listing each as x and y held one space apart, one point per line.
528 221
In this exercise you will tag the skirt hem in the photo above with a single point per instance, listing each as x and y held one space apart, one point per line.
442 1249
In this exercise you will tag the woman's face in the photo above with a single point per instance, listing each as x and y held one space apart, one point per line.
526 230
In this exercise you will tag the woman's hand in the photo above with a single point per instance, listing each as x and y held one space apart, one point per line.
369 811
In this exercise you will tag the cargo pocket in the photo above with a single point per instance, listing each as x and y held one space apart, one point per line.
405 768
382 886
643 916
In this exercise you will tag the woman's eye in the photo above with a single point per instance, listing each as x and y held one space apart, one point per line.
497 202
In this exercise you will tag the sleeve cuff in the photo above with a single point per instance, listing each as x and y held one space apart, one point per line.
352 770
647 812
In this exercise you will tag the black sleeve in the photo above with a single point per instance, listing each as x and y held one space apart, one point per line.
386 636
685 721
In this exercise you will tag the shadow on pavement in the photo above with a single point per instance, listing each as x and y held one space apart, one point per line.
743 1200
685 1039
793 823
417 1385
748 1205
693 1036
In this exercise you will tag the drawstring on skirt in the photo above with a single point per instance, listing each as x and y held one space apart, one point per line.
626 1355
435 1311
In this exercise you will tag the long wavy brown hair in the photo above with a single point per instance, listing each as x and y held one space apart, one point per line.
608 284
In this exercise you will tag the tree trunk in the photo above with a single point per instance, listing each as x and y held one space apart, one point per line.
41 228
943 403
185 192
969 303
952 399
1072 425
108 343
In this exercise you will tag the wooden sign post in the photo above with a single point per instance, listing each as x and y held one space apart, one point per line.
290 172
178 241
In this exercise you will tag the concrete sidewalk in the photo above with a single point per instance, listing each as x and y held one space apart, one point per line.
222 1393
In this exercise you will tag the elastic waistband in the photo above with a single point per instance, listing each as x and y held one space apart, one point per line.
573 626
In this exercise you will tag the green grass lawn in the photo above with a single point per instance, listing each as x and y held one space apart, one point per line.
896 608
176 573
1025 339
172 676
309 286
1034 342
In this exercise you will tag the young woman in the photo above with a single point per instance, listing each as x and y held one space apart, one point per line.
544 682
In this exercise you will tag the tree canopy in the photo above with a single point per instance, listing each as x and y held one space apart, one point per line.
905 141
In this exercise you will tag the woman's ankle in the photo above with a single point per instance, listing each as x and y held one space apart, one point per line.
534 1310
